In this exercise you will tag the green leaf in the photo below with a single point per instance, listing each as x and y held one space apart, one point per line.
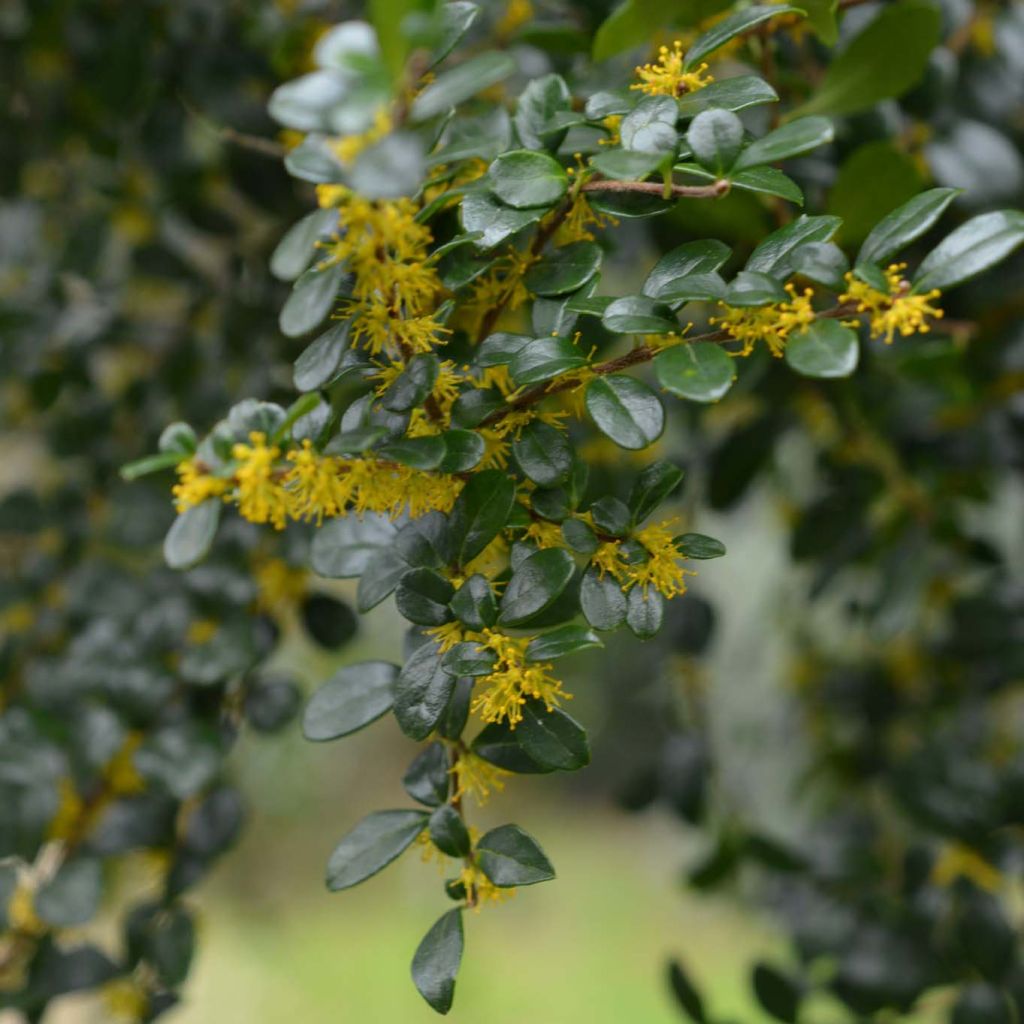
535 584
686 994
754 288
321 360
542 452
469 659
792 139
72 896
150 464
343 547
383 572
351 699
552 738
611 516
562 641
654 484
716 138
500 348
463 450
732 26
493 222
312 160
728 94
294 253
699 371
436 961
644 612
461 82
448 831
629 24
474 604
973 247
422 596
538 103
564 269
427 779
823 262
885 59
510 857
522 178
824 349
602 600
372 845
773 251
776 993
650 127
696 545
695 288
622 165
419 452
543 359
906 223
639 314
872 180
481 511
422 692
312 298
702 257
191 534
768 181
413 384
626 410
821 16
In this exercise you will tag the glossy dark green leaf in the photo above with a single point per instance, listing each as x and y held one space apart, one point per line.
535 584
562 641
654 484
343 547
772 253
650 127
469 659
510 857
500 348
622 165
436 961
452 87
492 221
644 612
716 138
542 452
423 453
700 371
372 845
72 896
728 28
463 450
564 269
686 994
792 139
422 596
524 178
538 103
626 410
422 692
702 257
448 831
312 298
602 600
906 223
351 699
826 349
638 314
579 536
474 604
753 288
728 94
697 545
383 571
552 738
823 262
545 358
413 384
294 253
191 534
481 511
428 779
321 360
778 994
972 248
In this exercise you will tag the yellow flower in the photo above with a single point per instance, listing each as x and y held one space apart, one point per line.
317 485
21 912
476 777
502 694
195 485
120 774
893 311
279 584
771 324
579 220
261 498
517 13
611 124
544 534
448 635
480 889
661 570
666 77
959 861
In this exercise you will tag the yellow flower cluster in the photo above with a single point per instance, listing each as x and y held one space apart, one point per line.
771 324
661 571
514 681
194 485
480 889
307 485
666 76
895 310
476 777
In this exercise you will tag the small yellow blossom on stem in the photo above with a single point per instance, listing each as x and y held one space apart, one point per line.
476 777
480 889
667 77
896 310
261 498
317 485
514 681
771 324
195 485
661 569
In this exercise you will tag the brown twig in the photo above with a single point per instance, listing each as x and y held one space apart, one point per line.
713 191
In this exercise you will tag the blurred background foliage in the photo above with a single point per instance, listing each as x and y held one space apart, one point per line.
826 742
